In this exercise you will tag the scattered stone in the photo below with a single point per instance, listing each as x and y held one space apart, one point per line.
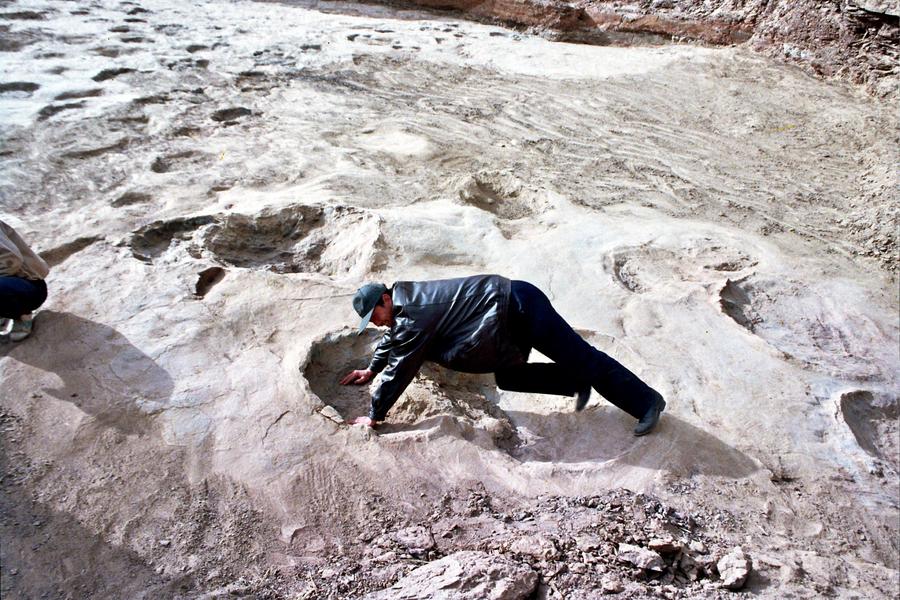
689 567
386 557
611 585
588 543
416 539
641 558
330 413
468 575
697 546
579 568
664 545
734 568
536 546
165 543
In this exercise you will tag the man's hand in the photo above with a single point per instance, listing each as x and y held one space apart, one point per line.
358 377
363 421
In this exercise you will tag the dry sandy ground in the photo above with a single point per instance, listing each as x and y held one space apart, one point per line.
724 226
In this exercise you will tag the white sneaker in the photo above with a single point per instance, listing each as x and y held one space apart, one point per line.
21 328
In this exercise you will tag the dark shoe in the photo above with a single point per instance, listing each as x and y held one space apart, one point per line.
582 397
6 327
21 328
651 418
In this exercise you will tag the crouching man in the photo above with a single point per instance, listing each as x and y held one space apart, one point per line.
489 324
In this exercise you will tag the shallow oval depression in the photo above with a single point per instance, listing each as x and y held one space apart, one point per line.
331 240
808 326
437 402
645 268
502 195
872 419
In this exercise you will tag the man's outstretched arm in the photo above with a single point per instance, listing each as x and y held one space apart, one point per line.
407 356
379 360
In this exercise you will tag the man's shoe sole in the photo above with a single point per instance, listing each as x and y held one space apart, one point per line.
644 429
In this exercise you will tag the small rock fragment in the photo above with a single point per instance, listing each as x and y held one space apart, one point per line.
534 545
664 545
640 558
416 539
611 585
387 557
697 546
734 568
588 543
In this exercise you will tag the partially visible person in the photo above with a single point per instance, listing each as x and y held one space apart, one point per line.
22 286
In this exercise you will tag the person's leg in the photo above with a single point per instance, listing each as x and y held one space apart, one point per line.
554 338
19 296
536 378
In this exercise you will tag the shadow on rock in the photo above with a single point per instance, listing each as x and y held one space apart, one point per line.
78 563
102 373
440 402
605 434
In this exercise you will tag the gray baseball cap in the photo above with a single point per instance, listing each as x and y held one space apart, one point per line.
365 301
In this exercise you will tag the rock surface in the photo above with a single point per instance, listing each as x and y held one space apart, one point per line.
641 558
722 224
734 568
858 40
465 576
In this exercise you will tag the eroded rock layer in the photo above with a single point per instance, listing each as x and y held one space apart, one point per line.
858 40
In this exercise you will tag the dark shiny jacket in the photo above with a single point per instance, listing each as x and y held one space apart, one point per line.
457 323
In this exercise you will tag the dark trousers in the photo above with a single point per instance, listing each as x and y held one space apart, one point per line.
533 323
20 296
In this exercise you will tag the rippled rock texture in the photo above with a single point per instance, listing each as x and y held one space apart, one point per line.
211 182
857 40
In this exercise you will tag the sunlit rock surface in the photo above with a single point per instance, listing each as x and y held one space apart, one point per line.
212 181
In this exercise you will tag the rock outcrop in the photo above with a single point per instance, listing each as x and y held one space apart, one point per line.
858 40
